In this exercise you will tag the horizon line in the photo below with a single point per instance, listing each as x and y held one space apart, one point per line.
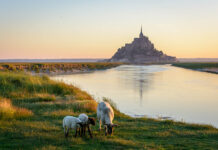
97 58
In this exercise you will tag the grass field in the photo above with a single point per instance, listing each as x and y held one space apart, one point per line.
196 65
32 109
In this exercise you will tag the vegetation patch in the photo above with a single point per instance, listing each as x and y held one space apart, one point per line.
59 68
8 111
23 86
196 65
37 106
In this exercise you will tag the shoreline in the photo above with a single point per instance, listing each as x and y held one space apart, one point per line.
206 70
211 67
52 69
158 117
209 70
64 73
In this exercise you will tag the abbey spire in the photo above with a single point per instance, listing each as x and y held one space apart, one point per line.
141 34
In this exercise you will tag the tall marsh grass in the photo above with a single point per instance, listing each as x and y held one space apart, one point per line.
25 86
8 111
197 65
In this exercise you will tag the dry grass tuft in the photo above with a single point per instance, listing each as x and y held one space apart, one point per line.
22 112
84 106
50 147
90 106
8 111
59 113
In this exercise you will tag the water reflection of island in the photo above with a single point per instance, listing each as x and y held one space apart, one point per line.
143 83
141 90
140 80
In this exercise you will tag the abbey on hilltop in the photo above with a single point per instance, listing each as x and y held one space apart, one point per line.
141 50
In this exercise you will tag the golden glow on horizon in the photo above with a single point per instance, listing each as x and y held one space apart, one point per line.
184 32
103 45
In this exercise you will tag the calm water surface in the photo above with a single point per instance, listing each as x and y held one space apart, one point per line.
154 91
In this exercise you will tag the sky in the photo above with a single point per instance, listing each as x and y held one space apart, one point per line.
53 29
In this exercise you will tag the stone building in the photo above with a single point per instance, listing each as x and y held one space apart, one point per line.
141 50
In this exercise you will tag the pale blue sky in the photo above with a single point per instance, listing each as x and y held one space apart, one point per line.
97 28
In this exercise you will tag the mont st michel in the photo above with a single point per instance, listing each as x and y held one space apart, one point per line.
141 50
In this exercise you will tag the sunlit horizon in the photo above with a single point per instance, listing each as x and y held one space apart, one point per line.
95 29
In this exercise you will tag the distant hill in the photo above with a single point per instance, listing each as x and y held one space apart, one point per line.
141 50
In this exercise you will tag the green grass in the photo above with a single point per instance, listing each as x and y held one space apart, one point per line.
196 65
49 101
55 67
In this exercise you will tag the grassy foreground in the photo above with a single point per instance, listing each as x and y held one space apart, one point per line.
32 109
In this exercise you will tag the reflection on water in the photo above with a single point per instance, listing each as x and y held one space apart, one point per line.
137 78
154 91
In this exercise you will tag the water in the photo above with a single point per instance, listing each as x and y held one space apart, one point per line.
154 91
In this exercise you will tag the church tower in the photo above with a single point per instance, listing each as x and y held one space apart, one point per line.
141 34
